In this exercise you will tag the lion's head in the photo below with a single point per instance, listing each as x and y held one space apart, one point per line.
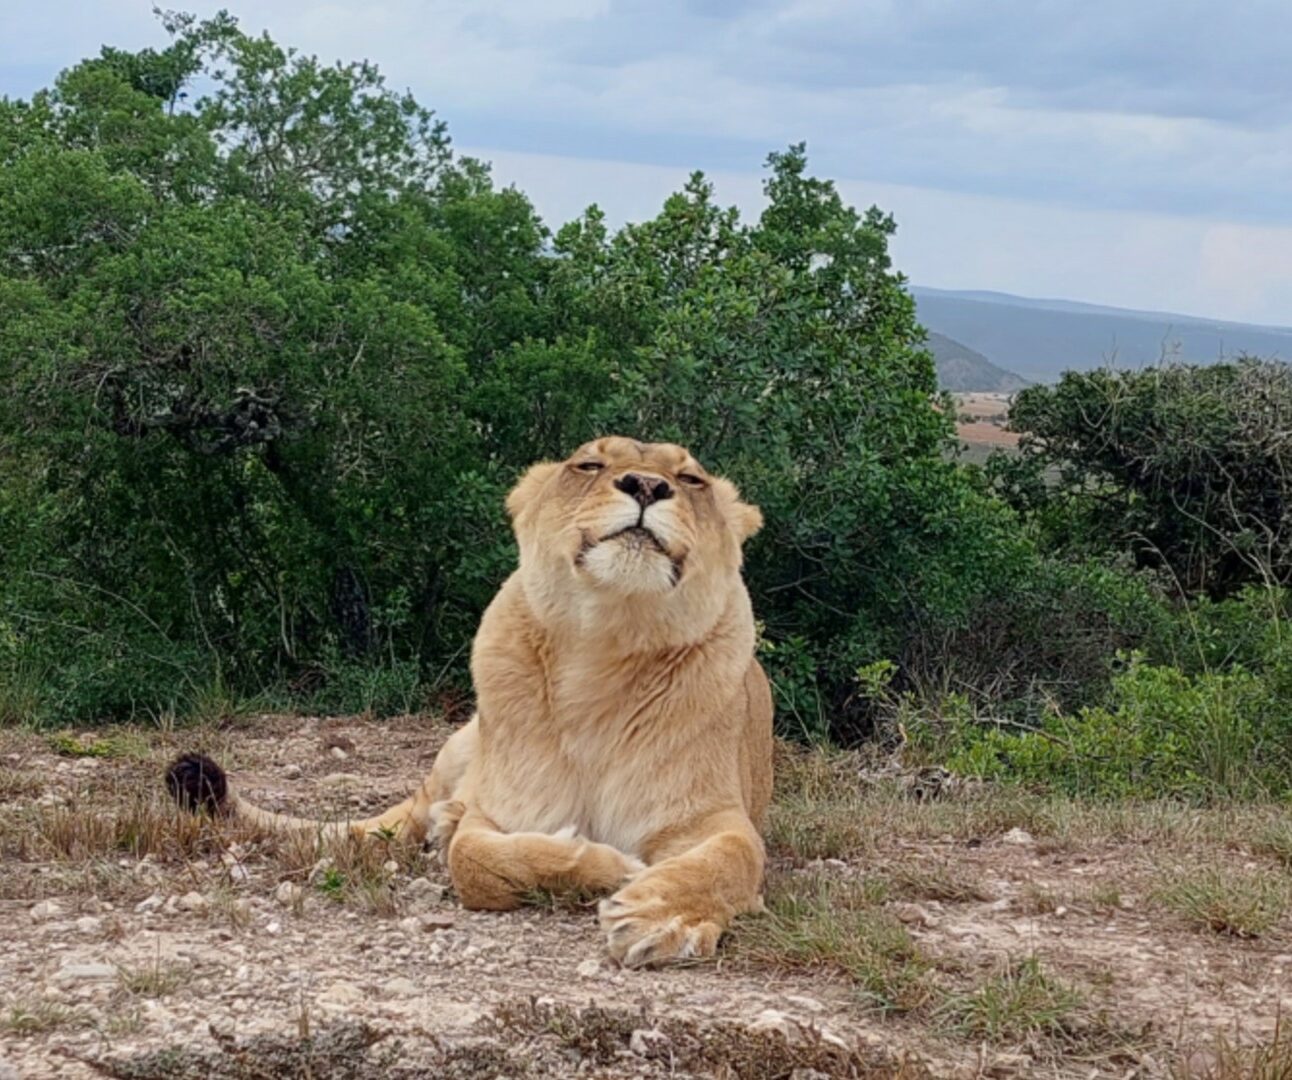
629 520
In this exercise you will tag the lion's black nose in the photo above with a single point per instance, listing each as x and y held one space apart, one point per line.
645 489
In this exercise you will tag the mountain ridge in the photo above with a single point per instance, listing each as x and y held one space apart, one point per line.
1040 339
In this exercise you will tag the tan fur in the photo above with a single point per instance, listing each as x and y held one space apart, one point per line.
622 739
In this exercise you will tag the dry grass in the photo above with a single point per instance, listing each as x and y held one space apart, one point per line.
1275 841
38 1015
154 979
600 1037
1226 1059
936 880
1242 904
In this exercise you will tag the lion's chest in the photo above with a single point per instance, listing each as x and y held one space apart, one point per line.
606 763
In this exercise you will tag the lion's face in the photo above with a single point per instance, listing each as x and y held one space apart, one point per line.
630 518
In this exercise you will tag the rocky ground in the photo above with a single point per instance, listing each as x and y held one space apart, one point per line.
913 929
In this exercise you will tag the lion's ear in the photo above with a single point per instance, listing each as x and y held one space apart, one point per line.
529 486
745 519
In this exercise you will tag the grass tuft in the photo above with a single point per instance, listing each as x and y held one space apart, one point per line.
814 922
1022 1004
1241 904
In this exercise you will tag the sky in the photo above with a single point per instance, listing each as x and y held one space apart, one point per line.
1136 153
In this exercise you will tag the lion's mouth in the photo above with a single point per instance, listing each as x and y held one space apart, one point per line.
637 535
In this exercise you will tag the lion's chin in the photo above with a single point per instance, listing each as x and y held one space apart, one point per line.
629 564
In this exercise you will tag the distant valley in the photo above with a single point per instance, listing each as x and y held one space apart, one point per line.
986 341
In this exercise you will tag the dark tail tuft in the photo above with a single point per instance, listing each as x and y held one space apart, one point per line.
197 783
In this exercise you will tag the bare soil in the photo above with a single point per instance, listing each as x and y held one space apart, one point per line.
141 943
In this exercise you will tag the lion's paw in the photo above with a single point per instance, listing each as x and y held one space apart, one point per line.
444 817
643 933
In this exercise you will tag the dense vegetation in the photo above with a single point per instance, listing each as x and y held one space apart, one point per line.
272 353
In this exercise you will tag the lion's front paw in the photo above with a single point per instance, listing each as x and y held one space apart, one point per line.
444 818
642 930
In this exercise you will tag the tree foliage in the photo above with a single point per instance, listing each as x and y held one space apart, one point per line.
1186 469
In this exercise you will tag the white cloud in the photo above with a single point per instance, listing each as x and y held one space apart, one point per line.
1080 127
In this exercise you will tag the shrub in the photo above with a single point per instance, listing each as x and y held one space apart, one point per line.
1186 468
1164 733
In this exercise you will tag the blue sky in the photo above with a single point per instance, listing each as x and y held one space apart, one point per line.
1127 152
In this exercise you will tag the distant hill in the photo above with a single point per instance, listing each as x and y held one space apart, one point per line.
960 368
1040 339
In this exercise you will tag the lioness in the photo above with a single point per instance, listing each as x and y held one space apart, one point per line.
623 733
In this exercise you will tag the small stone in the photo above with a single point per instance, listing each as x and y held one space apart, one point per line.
292 772
913 914
45 910
399 987
153 903
274 928
410 925
193 901
589 969
390 866
338 753
774 1020
1018 837
432 923
337 779
803 1002
341 994
648 1043
89 924
288 893
85 973
424 889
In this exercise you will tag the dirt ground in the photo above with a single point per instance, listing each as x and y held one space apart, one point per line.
1051 940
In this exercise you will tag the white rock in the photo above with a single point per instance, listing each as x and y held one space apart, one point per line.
1018 836
85 972
274 928
399 987
424 891
390 866
648 1042
589 969
153 903
341 995
287 893
45 910
411 925
774 1020
336 779
89 924
193 901
339 754
292 772
803 1002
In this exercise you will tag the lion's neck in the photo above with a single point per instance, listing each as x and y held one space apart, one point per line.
634 625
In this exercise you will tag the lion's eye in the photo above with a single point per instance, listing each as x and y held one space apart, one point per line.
589 466
690 480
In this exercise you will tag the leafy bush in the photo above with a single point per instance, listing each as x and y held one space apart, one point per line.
1163 733
1186 468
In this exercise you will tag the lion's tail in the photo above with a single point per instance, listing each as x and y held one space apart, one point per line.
200 785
